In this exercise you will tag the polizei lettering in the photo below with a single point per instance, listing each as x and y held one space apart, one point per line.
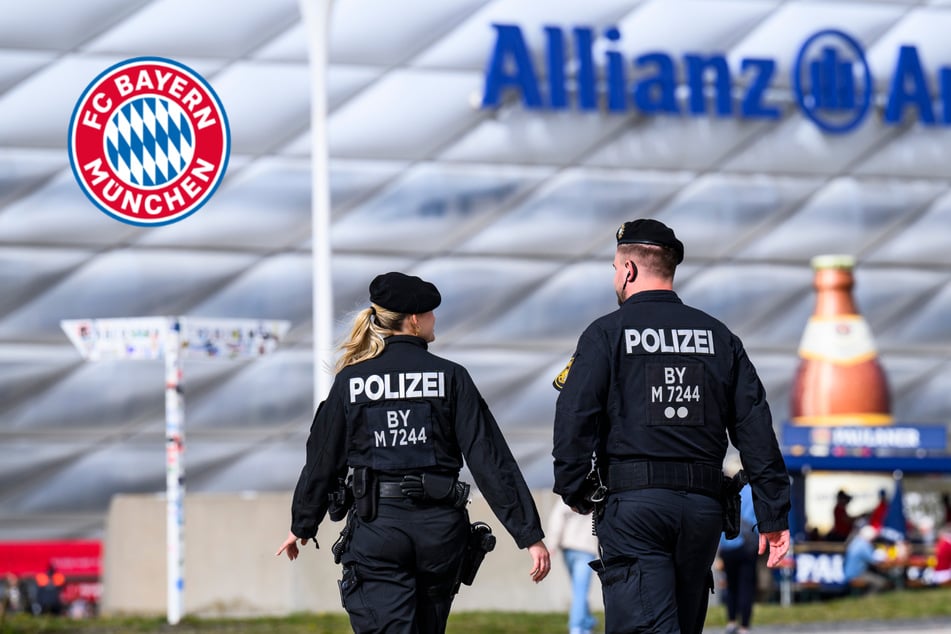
402 385
668 340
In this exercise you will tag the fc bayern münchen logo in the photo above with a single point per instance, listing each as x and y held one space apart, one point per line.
149 141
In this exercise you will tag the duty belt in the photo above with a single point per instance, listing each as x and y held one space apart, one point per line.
391 490
681 476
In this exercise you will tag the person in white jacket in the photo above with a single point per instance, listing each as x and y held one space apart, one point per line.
572 534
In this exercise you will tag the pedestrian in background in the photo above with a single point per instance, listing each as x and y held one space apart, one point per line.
740 556
842 522
861 560
573 534
656 389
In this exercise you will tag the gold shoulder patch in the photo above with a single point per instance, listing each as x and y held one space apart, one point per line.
559 381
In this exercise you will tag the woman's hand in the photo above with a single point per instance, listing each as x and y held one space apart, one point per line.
290 546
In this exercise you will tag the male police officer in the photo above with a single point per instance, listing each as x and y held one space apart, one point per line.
653 389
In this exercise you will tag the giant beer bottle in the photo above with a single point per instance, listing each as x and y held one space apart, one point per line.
839 380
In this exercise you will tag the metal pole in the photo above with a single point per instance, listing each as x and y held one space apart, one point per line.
175 471
316 14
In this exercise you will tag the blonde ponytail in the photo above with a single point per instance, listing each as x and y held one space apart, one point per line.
367 336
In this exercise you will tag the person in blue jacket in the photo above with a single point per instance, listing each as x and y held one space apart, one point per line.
739 556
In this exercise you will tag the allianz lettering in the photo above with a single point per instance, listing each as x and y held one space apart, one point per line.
668 340
402 385
398 432
831 80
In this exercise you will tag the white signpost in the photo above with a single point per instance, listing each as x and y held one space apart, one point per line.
174 339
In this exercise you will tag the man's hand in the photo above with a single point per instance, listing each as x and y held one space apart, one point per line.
290 546
778 546
541 560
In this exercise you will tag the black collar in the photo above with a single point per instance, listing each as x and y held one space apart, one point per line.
411 339
653 296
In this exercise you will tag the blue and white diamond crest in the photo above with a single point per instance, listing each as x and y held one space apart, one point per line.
149 141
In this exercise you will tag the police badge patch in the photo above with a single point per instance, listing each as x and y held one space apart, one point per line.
559 381
149 141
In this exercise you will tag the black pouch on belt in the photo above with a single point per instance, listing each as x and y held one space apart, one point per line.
366 495
731 503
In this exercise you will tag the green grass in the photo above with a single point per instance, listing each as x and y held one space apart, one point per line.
910 604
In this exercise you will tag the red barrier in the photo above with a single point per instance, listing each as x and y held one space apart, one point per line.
80 562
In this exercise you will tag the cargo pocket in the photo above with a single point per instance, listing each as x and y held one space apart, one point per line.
626 607
353 600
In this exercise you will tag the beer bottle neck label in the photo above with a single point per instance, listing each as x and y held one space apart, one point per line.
844 339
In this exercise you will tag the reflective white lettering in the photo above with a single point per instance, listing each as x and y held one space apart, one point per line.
356 387
685 345
668 347
374 387
632 339
668 341
653 344
430 384
392 419
413 390
401 385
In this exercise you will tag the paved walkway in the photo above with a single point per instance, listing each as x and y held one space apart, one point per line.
854 627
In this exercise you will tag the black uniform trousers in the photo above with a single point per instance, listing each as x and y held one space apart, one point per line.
658 546
400 568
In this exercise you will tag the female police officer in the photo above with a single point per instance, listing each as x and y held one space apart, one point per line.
403 419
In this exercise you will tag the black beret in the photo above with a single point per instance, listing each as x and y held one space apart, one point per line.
403 293
648 231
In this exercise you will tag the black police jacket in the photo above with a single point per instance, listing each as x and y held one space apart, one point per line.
659 380
409 411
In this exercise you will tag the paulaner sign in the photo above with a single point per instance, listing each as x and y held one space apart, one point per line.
892 437
831 80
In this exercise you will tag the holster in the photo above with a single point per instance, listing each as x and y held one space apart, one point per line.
437 487
481 541
366 494
732 503
341 499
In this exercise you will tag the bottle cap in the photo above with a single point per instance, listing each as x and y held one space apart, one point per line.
838 261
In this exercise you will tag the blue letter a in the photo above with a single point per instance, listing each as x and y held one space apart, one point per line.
510 66
899 95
